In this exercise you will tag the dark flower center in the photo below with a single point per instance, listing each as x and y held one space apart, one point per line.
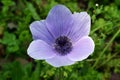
63 45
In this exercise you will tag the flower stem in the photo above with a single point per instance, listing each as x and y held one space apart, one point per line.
117 33
59 74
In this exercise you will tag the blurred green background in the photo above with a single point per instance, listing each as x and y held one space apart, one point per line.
15 37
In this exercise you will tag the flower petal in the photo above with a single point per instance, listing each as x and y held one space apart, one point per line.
39 49
59 61
81 27
82 49
40 31
59 20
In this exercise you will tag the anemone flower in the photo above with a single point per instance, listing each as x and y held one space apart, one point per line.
62 38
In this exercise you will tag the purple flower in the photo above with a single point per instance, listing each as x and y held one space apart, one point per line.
62 38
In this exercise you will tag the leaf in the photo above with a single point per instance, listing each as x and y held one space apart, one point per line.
33 11
114 63
11 42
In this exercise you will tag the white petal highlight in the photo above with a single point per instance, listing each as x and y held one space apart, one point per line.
59 61
39 50
82 49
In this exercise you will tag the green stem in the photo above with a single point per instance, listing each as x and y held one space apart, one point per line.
59 74
108 59
56 74
106 47
98 28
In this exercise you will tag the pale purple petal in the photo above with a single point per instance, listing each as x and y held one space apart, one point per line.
59 61
82 49
81 27
59 20
40 31
39 49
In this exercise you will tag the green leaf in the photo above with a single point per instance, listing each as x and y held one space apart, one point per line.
33 11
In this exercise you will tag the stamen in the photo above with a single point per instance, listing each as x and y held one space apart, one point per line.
63 45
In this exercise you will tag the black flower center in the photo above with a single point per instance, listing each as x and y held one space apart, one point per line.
63 45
